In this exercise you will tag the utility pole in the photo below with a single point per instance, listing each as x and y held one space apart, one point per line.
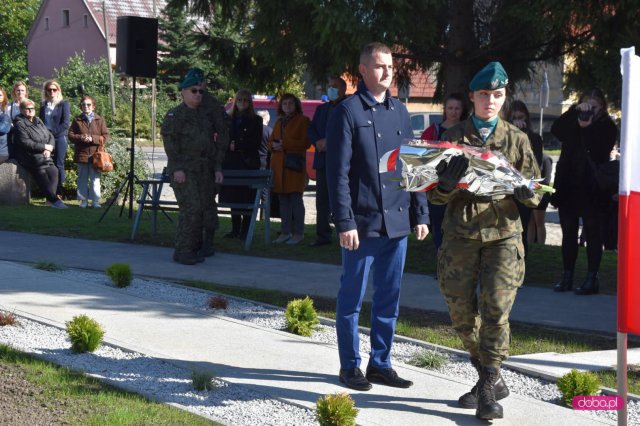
106 37
544 98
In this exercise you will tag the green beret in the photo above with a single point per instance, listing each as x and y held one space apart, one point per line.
491 77
194 77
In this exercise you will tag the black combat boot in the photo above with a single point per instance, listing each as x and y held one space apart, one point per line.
186 258
566 283
470 400
488 408
207 249
591 285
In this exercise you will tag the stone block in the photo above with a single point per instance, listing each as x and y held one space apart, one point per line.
15 184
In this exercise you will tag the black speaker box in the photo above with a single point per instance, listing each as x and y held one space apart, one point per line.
137 46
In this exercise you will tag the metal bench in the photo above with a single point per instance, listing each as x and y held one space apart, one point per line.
260 180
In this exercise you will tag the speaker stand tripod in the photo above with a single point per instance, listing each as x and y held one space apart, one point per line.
131 178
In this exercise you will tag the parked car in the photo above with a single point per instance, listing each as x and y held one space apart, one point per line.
422 120
270 104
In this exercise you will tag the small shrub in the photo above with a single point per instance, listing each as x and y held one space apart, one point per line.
577 383
120 274
202 380
7 318
431 359
218 302
336 410
301 316
85 334
48 266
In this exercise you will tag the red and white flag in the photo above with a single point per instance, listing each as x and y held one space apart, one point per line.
629 197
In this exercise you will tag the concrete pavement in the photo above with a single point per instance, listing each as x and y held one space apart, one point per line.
226 346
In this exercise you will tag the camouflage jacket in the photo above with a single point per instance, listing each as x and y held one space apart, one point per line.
483 218
188 136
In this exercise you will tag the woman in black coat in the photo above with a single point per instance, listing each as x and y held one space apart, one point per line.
588 135
245 136
34 147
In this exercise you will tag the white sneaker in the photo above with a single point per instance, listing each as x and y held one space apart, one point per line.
83 204
282 238
96 205
59 205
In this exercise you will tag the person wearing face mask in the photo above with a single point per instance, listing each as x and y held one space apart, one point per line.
588 135
336 92
88 132
289 137
481 260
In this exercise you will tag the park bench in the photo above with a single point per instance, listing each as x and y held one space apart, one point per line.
260 180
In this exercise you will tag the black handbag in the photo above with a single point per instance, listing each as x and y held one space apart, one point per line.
295 162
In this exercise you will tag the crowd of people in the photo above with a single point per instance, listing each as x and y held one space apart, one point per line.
39 141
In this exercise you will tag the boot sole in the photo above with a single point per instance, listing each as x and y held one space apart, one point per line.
474 405
490 416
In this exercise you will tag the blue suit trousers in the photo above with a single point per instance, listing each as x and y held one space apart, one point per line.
387 257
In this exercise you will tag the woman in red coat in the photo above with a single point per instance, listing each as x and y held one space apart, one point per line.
88 131
289 138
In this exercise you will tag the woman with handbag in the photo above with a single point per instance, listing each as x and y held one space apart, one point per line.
33 148
89 134
245 137
55 114
588 135
288 146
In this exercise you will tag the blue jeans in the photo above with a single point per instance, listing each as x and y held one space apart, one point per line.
387 257
59 153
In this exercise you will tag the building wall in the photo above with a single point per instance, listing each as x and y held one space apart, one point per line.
51 48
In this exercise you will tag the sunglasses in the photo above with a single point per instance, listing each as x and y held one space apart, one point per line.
52 89
30 109
199 91
85 104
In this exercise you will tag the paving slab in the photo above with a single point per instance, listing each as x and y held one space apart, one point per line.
276 363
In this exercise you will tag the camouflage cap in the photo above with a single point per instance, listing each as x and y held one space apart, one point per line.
194 77
491 77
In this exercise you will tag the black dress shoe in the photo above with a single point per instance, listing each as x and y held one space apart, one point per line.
318 243
354 379
387 376
591 285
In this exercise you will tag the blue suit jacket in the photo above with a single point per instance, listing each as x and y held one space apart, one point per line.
318 130
359 133
60 119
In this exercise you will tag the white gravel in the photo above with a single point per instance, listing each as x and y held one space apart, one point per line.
228 403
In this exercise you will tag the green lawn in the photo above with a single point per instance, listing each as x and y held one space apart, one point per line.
544 265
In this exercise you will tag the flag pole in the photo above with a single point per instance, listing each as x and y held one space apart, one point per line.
621 375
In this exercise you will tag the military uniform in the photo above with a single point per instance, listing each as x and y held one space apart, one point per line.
482 241
188 136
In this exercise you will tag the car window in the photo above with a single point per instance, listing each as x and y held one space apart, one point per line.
417 123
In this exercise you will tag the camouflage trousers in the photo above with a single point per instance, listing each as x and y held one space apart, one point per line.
198 211
479 281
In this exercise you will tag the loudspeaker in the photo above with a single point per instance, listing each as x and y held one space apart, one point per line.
137 46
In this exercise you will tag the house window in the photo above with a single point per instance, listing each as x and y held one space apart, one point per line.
46 24
85 21
65 18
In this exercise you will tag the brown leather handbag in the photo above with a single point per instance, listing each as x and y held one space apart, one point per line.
102 160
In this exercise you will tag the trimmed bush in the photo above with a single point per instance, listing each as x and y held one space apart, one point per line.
120 274
301 316
7 318
85 334
577 383
218 302
202 380
48 266
336 410
431 359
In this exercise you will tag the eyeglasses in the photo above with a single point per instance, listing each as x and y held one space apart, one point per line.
199 91
85 104
30 109
52 89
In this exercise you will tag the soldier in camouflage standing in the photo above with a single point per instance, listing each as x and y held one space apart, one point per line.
482 244
195 166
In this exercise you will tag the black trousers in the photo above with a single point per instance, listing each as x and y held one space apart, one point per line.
47 180
323 226
593 218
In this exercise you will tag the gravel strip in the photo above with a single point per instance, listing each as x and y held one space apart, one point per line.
230 403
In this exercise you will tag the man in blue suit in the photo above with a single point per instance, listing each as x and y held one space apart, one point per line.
371 215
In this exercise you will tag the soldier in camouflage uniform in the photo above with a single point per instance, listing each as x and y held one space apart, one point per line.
195 166
482 243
